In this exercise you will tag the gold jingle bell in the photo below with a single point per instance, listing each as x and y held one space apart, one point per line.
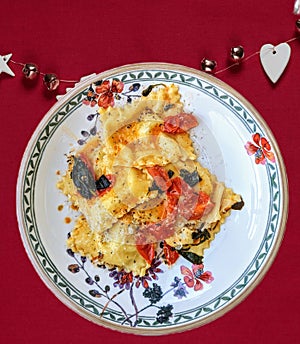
30 71
208 66
237 53
51 81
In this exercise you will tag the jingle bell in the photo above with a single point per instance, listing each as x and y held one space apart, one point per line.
237 53
51 81
30 71
298 25
208 66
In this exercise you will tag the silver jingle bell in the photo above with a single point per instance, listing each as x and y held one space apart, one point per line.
51 81
298 25
208 66
30 71
237 53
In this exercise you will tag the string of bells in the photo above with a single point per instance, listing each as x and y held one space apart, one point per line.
51 80
237 54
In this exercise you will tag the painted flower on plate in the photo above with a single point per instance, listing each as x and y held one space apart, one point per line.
122 278
164 313
179 288
107 91
150 275
91 97
261 149
194 277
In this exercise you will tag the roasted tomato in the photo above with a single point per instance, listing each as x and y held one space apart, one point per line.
176 187
147 251
160 176
171 255
180 199
202 205
191 204
179 123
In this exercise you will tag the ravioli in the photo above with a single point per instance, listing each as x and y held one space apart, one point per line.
140 189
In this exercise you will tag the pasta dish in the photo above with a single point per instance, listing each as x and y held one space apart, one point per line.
139 189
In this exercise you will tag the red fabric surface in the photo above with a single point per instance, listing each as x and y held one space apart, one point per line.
74 39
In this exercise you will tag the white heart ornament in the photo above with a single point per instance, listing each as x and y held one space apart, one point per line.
275 59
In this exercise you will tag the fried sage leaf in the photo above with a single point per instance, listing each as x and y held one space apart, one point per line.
149 89
238 205
102 183
203 235
83 179
191 257
191 178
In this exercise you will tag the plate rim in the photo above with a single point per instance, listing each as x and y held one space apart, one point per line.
79 87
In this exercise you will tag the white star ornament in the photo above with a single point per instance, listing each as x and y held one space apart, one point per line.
3 65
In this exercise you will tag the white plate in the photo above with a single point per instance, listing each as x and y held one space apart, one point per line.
240 254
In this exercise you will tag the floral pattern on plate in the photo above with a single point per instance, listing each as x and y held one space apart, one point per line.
261 149
153 294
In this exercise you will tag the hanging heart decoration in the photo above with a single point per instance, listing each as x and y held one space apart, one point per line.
274 59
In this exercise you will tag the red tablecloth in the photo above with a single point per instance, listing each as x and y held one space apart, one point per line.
73 40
